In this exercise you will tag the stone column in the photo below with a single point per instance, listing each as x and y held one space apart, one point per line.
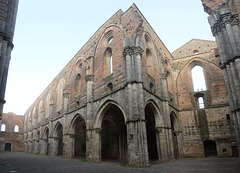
225 27
89 112
41 146
161 144
68 150
97 152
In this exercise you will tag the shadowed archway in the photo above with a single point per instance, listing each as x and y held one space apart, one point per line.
114 134
79 127
151 133
59 133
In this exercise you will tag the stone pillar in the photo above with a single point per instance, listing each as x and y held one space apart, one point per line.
137 143
53 146
90 143
68 150
8 15
41 146
225 27
97 152
161 144
136 125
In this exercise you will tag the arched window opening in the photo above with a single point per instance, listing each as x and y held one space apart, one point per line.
198 79
111 65
108 66
149 62
59 95
110 40
47 105
3 128
16 128
200 103
78 82
40 109
147 39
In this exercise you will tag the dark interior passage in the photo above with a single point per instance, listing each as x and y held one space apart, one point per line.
60 139
114 134
151 134
210 148
80 137
8 146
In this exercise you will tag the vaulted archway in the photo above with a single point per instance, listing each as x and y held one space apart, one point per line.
59 133
114 134
151 132
46 141
79 129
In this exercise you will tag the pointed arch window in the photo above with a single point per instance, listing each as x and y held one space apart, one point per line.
47 105
198 79
59 95
3 128
150 62
16 128
78 83
108 67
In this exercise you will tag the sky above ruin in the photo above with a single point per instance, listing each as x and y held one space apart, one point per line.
49 33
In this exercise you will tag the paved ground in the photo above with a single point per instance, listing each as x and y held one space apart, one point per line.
30 163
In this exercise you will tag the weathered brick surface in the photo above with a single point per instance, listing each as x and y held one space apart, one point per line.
149 94
15 138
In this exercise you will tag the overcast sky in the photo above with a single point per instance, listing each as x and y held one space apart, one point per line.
49 33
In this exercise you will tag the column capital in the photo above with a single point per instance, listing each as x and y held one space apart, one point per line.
132 50
90 77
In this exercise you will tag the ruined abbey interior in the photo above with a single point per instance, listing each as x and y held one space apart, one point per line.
124 96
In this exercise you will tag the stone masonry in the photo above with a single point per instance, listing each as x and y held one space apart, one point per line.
224 19
11 136
125 96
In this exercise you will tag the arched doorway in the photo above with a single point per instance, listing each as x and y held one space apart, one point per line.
151 133
46 145
38 144
175 128
80 137
8 146
210 148
114 134
59 132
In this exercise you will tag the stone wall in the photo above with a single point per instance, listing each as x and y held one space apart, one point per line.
10 135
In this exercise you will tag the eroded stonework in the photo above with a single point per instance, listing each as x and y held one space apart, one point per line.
124 96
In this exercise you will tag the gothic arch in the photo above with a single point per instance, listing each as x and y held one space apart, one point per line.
71 128
58 134
157 113
55 129
102 110
107 29
46 140
111 121
78 130
59 93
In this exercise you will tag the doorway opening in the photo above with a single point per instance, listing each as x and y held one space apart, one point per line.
151 133
8 146
80 137
210 148
114 134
